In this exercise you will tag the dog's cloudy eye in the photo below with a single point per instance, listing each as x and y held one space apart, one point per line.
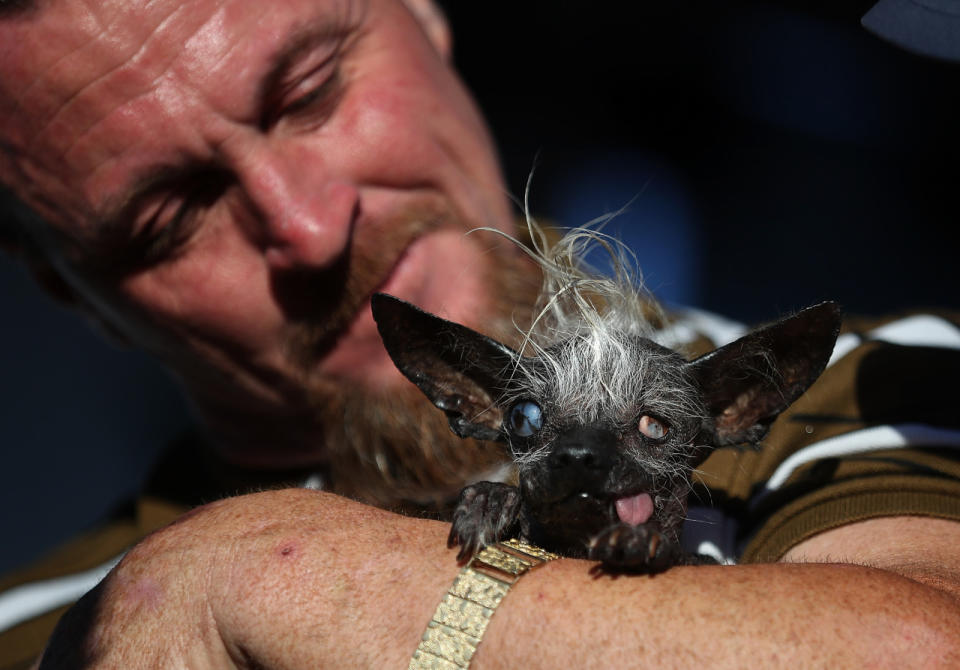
525 418
652 428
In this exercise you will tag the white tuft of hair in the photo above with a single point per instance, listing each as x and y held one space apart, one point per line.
586 336
575 297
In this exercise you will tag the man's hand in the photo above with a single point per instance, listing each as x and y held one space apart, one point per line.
286 579
292 579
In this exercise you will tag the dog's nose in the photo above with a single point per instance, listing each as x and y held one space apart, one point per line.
581 458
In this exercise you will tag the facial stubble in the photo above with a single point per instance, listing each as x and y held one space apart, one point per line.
391 447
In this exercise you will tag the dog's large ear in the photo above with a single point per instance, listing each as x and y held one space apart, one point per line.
747 383
458 369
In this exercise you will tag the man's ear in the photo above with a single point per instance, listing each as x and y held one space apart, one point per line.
434 23
747 383
458 369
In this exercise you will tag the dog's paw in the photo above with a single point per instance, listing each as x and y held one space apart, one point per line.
640 548
484 512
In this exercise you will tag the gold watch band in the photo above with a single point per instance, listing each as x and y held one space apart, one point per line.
461 618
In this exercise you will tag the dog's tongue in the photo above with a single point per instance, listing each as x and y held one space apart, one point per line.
635 510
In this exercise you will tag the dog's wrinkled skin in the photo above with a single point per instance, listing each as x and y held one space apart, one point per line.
605 480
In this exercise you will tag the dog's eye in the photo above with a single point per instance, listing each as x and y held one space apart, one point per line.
652 428
525 419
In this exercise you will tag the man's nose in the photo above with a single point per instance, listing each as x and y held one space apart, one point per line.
306 216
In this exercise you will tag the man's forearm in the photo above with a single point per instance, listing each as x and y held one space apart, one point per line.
299 579
797 615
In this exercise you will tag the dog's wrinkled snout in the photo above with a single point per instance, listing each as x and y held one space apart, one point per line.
582 458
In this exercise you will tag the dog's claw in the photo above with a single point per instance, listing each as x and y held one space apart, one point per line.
466 551
640 548
484 514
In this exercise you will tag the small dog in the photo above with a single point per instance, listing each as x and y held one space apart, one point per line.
605 425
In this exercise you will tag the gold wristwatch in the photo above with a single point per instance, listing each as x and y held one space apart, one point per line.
458 624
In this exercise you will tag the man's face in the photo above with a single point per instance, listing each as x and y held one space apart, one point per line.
228 182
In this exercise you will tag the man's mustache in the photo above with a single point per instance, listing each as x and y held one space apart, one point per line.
391 446
322 303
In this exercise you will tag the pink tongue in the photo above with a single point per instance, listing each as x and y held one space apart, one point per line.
635 510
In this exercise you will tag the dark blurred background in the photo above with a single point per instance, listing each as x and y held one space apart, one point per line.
769 155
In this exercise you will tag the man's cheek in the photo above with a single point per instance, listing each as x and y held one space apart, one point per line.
227 298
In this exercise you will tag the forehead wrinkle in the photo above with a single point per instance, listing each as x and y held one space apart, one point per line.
124 136
129 63
27 56
95 32
294 38
115 206
214 41
92 36
116 197
215 38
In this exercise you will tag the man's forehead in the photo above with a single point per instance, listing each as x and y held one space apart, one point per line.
94 89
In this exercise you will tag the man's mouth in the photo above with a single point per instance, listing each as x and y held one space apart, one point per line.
339 306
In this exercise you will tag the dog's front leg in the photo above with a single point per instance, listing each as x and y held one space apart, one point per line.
485 513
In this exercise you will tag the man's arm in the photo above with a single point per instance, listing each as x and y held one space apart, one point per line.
303 579
924 549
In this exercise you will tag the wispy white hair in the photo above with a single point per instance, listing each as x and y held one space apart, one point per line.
585 332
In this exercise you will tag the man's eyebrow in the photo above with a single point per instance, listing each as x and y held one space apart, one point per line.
116 223
299 42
